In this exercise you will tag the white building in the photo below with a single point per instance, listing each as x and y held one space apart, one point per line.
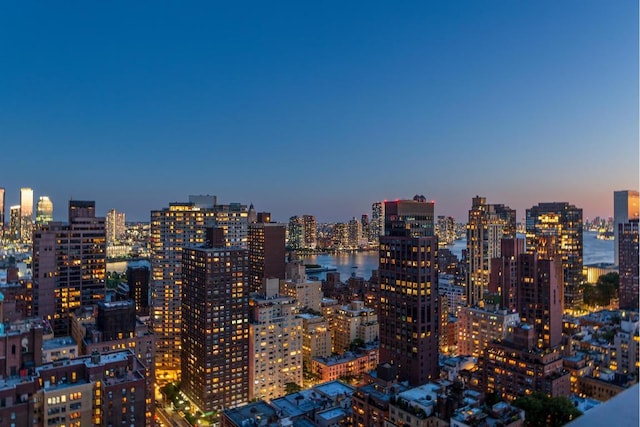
275 343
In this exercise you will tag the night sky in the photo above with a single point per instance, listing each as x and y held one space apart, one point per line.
319 107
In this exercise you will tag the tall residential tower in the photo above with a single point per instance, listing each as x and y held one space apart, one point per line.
554 231
488 225
408 297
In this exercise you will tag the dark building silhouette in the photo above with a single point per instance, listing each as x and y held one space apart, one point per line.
531 286
69 265
116 320
628 257
540 298
504 273
408 297
266 243
215 324
138 277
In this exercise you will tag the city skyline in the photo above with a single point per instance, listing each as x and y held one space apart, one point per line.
282 105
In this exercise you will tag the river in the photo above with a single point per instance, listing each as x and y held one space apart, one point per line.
361 264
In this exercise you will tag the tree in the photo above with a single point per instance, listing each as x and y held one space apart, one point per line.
542 410
356 344
291 388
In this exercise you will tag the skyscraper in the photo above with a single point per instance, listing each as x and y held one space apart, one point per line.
116 226
266 251
173 228
215 324
376 229
69 265
310 231
408 297
1 212
26 214
44 210
138 275
540 298
625 207
488 224
295 233
14 223
554 231
629 270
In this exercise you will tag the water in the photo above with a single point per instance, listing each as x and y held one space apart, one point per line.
595 251
359 263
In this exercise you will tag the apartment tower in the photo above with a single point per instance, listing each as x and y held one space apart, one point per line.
266 251
626 207
215 323
629 273
408 298
173 228
26 214
69 265
488 224
44 210
554 231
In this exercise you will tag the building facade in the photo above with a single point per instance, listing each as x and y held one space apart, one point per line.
628 254
554 231
626 206
488 224
44 210
266 252
275 343
215 325
69 265
408 290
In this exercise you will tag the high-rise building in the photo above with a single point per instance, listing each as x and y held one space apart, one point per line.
364 223
266 251
26 214
408 295
554 231
14 223
340 235
445 230
310 231
376 229
488 224
69 265
215 324
540 298
275 343
138 275
172 228
295 233
116 227
44 210
629 271
234 220
626 206
354 233
503 280
1 212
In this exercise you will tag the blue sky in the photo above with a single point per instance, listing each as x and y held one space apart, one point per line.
319 108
